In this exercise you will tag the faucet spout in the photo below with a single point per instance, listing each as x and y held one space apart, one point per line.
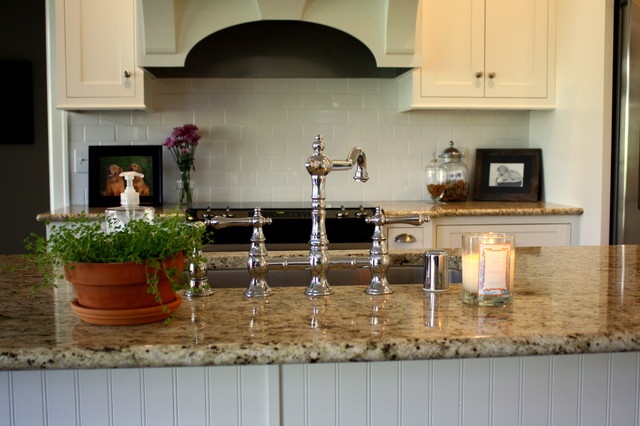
319 166
358 158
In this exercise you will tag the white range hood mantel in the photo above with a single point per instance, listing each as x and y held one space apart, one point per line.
169 29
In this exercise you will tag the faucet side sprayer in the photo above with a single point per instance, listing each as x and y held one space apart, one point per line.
319 166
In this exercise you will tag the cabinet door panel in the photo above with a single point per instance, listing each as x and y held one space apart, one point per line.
516 37
99 47
453 48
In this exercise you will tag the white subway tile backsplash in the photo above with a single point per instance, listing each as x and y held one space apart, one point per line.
258 133
100 133
317 100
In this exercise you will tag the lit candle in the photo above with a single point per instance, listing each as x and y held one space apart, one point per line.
488 261
470 269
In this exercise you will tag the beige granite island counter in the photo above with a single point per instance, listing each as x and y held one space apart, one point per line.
556 289
582 301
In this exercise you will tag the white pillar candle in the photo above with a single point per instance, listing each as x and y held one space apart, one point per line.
470 268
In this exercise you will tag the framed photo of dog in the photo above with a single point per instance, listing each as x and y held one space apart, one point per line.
508 175
107 162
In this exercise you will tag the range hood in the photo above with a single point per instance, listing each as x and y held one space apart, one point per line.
278 38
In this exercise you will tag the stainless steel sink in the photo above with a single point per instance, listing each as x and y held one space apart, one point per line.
299 277
239 278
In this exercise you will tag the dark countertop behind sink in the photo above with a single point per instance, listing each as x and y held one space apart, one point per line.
466 208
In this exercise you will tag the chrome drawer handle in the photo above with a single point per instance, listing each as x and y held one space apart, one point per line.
405 238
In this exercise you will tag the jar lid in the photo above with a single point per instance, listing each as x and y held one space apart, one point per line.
451 153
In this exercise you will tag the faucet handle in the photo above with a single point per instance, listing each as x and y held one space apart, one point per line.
342 213
415 220
362 212
380 218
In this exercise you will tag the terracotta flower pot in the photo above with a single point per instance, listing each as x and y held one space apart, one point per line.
103 288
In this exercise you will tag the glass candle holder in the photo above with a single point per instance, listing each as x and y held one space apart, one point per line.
488 262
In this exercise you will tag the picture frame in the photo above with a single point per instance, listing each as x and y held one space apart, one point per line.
508 175
107 162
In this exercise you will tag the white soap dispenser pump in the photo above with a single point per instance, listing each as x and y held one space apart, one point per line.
130 209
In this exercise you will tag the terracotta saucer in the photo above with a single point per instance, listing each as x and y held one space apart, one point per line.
124 316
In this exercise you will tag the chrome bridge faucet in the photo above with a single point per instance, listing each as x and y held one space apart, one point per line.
319 166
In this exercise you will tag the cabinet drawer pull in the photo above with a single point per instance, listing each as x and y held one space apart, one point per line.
478 74
405 238
126 74
491 74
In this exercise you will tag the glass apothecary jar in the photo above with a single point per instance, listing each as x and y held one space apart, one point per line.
436 178
457 182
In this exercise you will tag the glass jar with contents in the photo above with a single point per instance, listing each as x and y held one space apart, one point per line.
457 182
436 178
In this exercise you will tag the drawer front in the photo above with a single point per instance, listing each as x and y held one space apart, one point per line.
531 235
405 237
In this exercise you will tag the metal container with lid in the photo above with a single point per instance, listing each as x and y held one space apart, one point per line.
457 184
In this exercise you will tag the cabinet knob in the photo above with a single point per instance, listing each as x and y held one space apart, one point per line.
479 74
126 74
491 74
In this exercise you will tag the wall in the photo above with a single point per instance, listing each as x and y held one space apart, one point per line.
24 184
257 134
576 137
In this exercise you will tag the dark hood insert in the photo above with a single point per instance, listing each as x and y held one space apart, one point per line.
279 49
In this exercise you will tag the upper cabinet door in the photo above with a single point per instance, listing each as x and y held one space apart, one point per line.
453 48
96 55
516 39
484 54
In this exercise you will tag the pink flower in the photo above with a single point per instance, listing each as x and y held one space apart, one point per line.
182 143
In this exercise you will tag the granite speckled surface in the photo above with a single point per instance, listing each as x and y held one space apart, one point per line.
567 300
467 208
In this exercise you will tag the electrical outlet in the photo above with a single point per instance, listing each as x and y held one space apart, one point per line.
81 160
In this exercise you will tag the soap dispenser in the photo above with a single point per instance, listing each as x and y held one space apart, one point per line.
130 209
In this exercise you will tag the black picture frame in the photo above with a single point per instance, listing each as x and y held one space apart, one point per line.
101 158
508 175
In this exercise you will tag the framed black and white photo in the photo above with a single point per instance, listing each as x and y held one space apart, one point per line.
107 162
507 175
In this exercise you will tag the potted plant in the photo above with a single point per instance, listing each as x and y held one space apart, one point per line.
124 277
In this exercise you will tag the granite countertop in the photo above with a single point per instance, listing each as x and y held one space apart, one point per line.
567 300
467 208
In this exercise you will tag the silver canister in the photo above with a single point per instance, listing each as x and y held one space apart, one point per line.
436 270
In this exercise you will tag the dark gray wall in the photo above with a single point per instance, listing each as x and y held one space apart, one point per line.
24 181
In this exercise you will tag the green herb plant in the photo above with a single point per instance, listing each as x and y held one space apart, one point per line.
83 239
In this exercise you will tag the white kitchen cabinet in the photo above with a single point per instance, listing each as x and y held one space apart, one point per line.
529 231
484 54
96 55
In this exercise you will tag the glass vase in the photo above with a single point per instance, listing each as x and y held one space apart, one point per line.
185 188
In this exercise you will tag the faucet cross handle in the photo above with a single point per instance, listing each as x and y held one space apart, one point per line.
379 259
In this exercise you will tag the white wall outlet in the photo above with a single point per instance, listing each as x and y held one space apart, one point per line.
81 160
